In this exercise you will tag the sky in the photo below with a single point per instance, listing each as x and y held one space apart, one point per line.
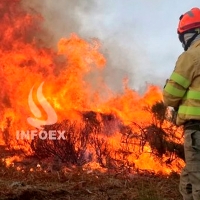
138 38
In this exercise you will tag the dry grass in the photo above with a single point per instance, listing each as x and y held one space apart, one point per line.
79 184
76 183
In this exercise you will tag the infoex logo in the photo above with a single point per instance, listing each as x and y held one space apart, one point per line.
37 122
51 114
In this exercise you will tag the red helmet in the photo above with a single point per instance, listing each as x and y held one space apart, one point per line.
189 20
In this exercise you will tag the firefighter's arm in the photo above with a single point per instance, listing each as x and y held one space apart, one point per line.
179 81
173 93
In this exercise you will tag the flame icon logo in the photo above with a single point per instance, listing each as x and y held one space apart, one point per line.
51 114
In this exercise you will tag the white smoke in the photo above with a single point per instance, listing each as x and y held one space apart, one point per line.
138 39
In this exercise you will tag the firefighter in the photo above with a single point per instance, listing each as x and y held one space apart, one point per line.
182 92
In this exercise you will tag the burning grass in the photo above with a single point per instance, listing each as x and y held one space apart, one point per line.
105 140
64 169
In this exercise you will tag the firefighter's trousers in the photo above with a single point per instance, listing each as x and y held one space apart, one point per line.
190 175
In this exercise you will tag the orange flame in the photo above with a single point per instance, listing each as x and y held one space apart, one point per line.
25 63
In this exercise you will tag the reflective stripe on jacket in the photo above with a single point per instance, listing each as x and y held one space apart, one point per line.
182 90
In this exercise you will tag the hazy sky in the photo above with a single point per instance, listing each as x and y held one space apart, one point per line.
138 38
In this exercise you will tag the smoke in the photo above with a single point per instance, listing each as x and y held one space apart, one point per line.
123 46
90 19
61 18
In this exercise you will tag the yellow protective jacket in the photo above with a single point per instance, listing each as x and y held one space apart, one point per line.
182 90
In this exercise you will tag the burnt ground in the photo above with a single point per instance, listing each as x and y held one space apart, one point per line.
78 184
25 180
